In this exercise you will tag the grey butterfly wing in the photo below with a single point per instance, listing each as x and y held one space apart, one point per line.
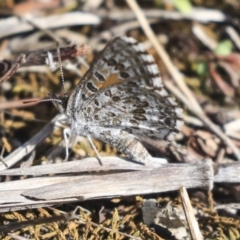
135 109
123 59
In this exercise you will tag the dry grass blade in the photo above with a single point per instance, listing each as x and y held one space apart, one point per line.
192 222
20 24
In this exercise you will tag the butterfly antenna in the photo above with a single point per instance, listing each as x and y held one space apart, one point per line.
42 100
61 67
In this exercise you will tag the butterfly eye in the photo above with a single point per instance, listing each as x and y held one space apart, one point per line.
59 102
59 106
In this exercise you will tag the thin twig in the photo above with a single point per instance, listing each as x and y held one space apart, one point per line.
188 210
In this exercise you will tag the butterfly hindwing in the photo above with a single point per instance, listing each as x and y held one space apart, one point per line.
137 110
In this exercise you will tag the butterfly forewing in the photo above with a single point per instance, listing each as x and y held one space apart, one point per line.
123 59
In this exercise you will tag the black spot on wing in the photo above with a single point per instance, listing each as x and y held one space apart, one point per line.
124 75
91 87
99 76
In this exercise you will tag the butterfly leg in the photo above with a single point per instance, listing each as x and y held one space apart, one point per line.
66 135
125 143
94 148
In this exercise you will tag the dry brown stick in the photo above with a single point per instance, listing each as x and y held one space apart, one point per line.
179 80
189 214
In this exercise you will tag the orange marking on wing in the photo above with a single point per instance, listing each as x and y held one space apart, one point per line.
111 80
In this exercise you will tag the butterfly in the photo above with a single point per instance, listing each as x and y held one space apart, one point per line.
121 97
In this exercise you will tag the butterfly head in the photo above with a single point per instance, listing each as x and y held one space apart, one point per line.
59 102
